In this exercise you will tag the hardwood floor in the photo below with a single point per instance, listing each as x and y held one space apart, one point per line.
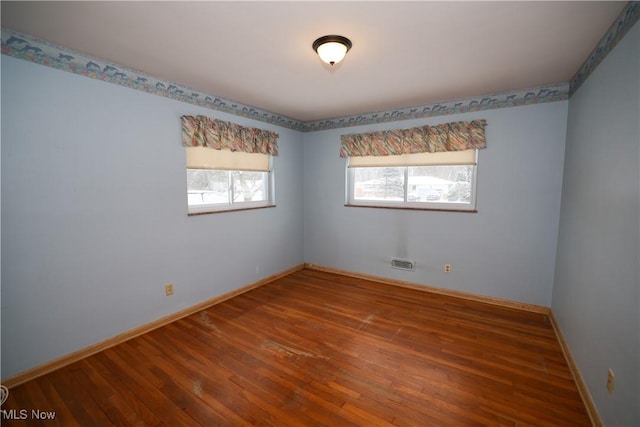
315 348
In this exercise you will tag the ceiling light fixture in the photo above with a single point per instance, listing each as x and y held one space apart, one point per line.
331 49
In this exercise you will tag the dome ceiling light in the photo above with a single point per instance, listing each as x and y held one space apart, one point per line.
332 49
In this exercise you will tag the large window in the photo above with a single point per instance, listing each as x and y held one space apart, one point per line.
443 181
221 180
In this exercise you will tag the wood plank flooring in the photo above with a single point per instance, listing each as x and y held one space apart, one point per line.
313 349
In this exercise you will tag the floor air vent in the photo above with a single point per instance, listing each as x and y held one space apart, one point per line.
403 264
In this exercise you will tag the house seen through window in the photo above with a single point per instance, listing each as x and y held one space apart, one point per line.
412 182
425 167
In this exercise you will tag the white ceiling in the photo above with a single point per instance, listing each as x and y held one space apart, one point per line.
259 53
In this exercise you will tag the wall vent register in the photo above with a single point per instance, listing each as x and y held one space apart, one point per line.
403 264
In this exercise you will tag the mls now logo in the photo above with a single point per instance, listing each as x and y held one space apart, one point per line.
22 414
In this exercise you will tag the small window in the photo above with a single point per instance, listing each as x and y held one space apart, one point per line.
442 181
219 180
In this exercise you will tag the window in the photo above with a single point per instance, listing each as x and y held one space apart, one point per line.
426 167
443 181
222 180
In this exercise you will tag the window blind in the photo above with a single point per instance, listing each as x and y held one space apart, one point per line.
207 158
466 157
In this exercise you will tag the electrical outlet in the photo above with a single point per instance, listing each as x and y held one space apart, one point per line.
168 289
447 268
611 381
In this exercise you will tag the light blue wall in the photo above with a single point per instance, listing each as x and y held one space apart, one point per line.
94 215
597 280
506 250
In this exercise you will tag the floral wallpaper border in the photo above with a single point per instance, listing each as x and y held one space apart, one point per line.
23 46
559 92
621 26
29 48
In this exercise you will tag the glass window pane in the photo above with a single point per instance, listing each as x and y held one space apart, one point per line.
249 186
207 186
440 184
379 184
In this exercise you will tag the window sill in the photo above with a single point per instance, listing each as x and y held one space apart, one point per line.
252 208
412 208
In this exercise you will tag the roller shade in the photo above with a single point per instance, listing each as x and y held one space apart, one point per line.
207 158
466 157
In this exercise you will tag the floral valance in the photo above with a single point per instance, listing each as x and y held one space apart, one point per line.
455 136
202 131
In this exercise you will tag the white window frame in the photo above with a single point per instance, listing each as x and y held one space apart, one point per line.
405 204
241 205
